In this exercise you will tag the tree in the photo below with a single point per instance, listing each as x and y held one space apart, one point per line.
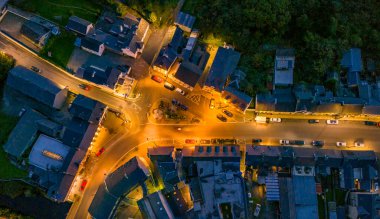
6 63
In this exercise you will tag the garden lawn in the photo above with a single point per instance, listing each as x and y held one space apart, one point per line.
7 170
53 9
60 47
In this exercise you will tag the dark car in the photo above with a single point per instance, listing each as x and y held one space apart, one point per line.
157 79
35 69
257 140
183 107
370 123
318 143
228 113
175 102
221 118
312 121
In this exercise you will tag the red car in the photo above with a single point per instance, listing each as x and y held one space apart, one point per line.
84 87
100 152
190 141
83 185
157 79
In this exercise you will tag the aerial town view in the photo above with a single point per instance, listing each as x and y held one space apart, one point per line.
189 109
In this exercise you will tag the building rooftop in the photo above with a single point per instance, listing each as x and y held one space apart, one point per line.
33 30
78 25
185 20
90 43
188 73
155 206
352 60
82 107
225 62
74 132
238 98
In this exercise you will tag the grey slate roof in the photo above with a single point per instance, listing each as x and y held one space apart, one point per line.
74 132
224 64
188 73
185 20
82 107
96 75
33 30
78 25
91 44
33 85
155 206
237 98
166 58
119 182
23 135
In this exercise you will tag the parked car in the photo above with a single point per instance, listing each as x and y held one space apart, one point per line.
227 113
205 141
157 79
341 144
256 140
257 210
212 103
35 69
318 143
100 152
22 111
183 107
275 119
332 122
312 121
169 86
175 102
179 90
359 144
83 185
221 118
370 123
190 141
84 87
284 142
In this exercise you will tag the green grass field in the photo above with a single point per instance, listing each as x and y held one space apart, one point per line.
7 169
60 47
60 10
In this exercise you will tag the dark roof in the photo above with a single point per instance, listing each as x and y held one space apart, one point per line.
352 59
116 184
82 107
353 78
166 58
177 202
23 135
372 110
103 204
188 73
33 85
3 3
177 39
265 102
74 132
168 173
237 98
224 64
155 206
161 153
33 30
91 44
185 20
78 25
96 75
305 197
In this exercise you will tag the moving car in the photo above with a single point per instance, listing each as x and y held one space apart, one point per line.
84 87
332 122
284 142
169 86
257 210
359 144
312 121
35 69
100 152
318 143
221 118
275 119
157 79
341 144
83 185
183 93
261 119
256 140
228 113
212 103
